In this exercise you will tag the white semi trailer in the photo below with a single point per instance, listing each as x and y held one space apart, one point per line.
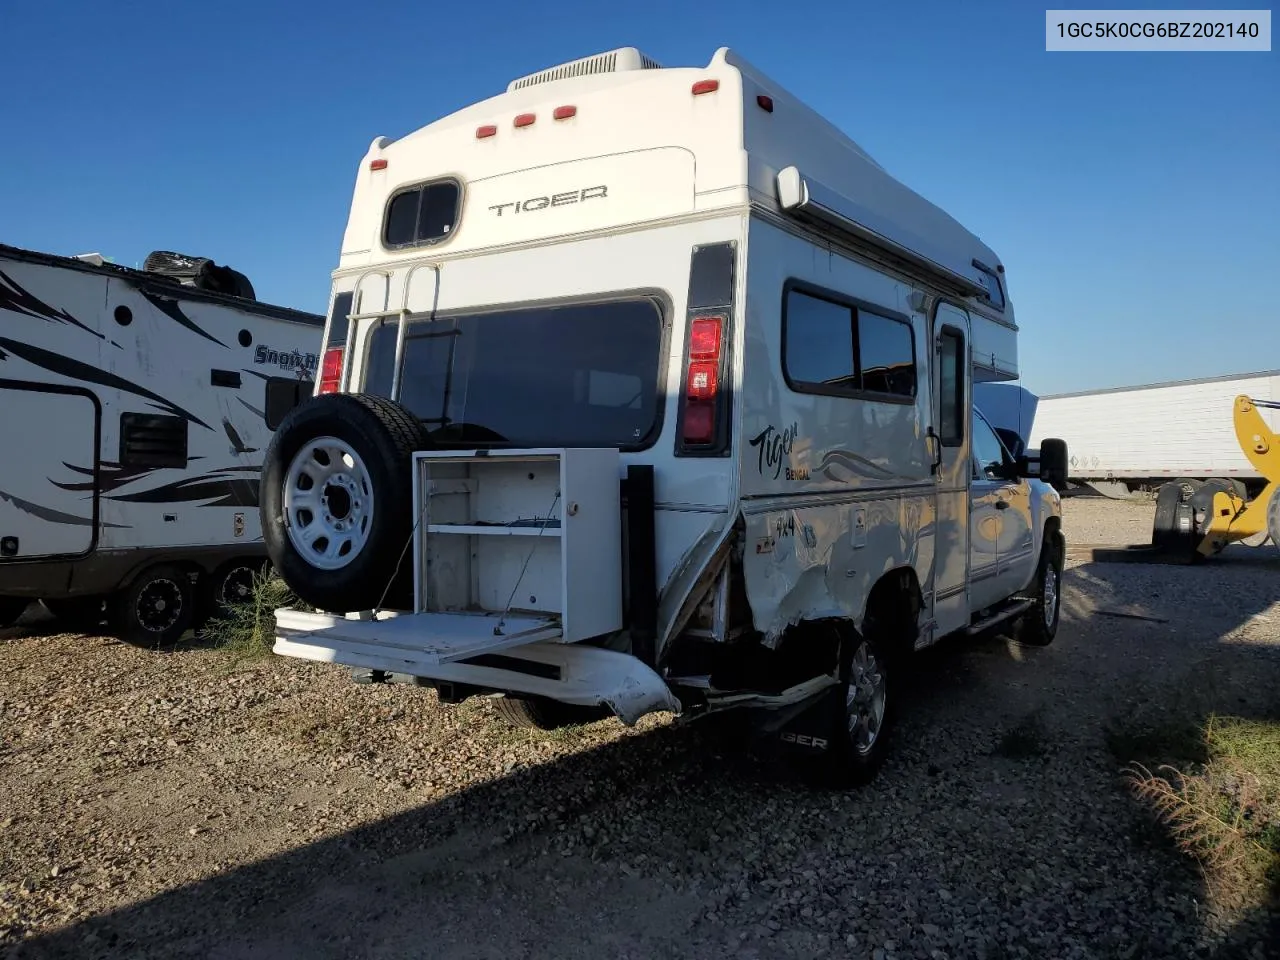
1131 439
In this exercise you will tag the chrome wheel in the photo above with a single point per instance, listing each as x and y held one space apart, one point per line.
159 605
328 503
1050 595
865 699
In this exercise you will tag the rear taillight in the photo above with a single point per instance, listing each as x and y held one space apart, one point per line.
702 381
331 370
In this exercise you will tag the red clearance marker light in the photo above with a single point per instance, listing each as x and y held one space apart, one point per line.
564 113
525 120
488 130
706 86
379 164
765 102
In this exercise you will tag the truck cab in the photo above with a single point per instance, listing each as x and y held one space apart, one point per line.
646 389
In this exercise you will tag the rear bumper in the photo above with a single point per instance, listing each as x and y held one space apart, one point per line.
405 644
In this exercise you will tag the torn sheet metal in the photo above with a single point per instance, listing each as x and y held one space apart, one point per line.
806 559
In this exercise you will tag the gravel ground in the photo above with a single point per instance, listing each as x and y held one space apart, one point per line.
181 806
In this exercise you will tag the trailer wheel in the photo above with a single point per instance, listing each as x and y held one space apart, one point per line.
546 714
337 501
156 609
11 608
229 585
77 613
1039 625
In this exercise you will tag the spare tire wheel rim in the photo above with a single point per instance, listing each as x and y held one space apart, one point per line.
159 605
328 503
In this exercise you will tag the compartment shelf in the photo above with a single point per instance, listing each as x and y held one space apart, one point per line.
533 531
496 529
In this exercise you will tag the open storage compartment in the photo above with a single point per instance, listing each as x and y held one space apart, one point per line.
533 533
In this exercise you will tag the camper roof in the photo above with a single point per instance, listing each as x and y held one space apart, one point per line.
698 139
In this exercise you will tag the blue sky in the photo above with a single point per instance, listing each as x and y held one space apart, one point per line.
1133 197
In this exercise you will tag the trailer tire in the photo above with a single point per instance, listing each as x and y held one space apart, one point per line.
365 505
11 608
231 584
154 610
546 714
77 613
1039 625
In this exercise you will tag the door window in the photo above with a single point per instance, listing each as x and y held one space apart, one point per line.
988 452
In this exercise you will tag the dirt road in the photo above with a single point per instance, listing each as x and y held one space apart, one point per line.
181 806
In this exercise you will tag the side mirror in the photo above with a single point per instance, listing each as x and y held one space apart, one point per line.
1012 442
1053 463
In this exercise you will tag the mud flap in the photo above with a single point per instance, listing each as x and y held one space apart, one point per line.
808 727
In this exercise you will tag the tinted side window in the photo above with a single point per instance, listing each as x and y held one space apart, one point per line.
951 388
886 355
988 454
818 351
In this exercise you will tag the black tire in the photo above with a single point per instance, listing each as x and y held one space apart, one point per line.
230 584
858 744
384 435
11 608
1273 517
77 613
1187 486
545 714
156 609
1039 625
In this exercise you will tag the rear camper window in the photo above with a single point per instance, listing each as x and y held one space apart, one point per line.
422 215
583 375
836 348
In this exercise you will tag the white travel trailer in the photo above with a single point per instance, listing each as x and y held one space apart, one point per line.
1126 439
135 407
655 395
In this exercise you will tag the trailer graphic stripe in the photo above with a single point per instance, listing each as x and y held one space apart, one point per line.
76 370
53 516
220 491
171 308
13 297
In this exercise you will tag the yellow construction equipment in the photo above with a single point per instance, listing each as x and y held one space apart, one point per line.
1199 523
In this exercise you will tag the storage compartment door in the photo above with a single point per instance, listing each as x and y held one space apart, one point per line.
48 462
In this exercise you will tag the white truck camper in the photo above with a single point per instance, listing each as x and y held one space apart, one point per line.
135 409
656 396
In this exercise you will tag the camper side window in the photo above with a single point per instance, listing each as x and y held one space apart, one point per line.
421 215
950 388
840 348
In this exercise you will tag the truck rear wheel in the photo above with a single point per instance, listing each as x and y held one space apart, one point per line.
862 715
546 714
337 501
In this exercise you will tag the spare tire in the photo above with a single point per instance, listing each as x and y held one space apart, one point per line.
337 501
